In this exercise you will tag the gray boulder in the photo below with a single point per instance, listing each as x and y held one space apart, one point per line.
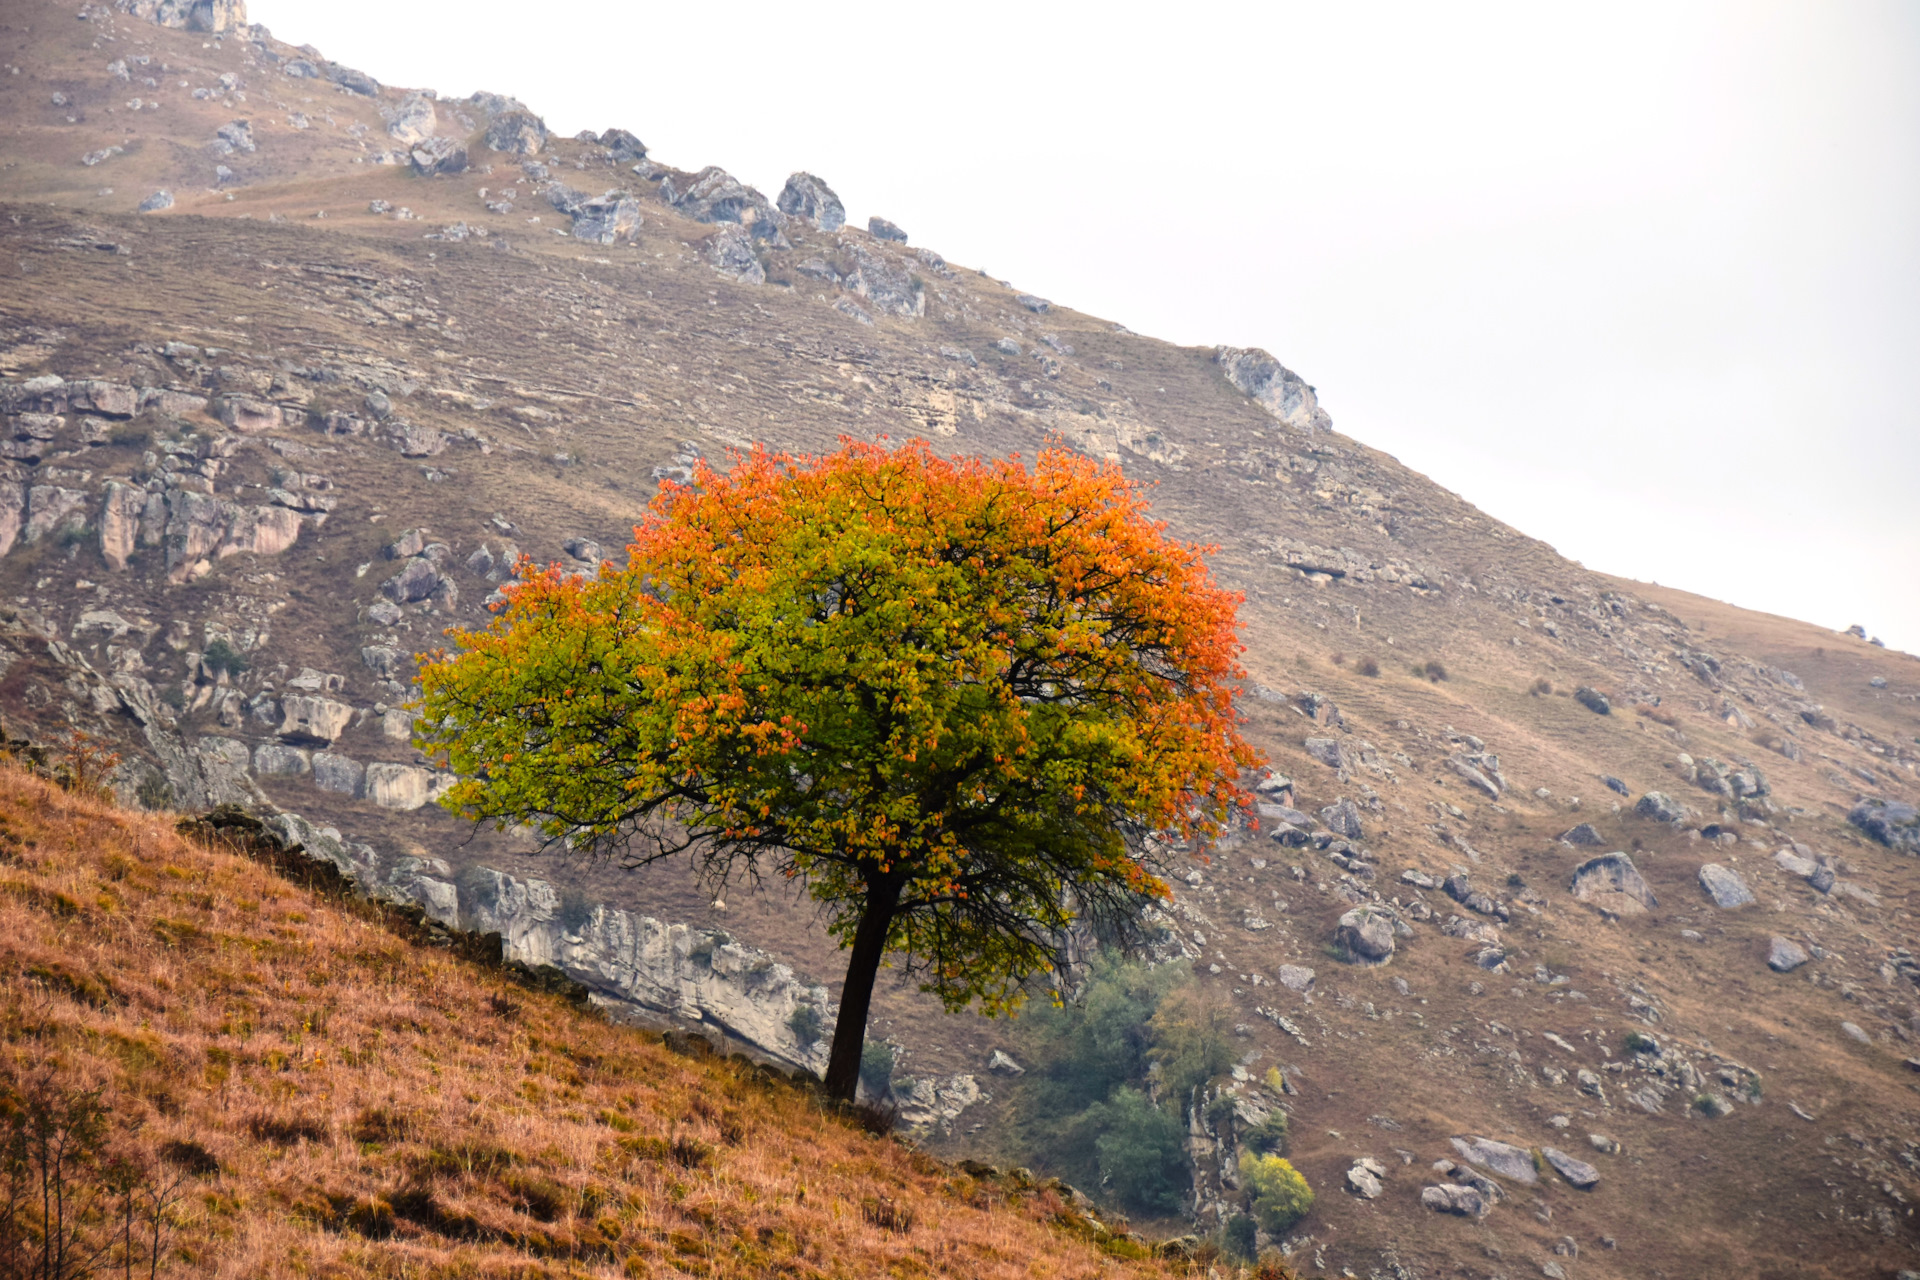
1001 1063
235 135
353 81
730 251
1577 1172
1660 807
886 287
806 196
1584 834
413 583
1502 1158
412 122
338 773
159 200
438 156
1611 880
714 195
1449 1197
624 145
517 132
272 759
1724 886
1614 784
1893 823
1275 388
881 229
1295 977
1785 955
1343 819
612 219
1593 700
1364 936
1328 751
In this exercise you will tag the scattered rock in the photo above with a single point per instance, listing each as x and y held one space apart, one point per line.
625 146
714 195
1784 955
1364 1178
1584 834
612 219
413 121
1039 306
1471 773
1328 751
881 229
730 251
1724 886
1577 1172
338 773
1660 807
1853 1032
1365 936
1453 1198
1502 1158
1593 700
1893 823
1275 388
1343 819
156 202
1612 881
1295 977
438 156
1614 784
1001 1063
1603 1144
806 196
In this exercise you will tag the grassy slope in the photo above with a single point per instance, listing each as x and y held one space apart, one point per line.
455 1125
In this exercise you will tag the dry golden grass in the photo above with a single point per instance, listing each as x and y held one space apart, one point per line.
378 1108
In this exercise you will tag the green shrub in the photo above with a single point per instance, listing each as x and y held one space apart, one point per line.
1270 1136
1142 1152
1638 1043
1279 1193
223 657
806 1025
1238 1239
876 1066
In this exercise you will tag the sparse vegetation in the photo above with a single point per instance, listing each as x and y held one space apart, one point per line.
1368 666
806 1025
221 658
1432 669
1541 687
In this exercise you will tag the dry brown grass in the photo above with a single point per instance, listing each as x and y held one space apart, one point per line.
379 1108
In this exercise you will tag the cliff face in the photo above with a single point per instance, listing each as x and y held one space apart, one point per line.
257 459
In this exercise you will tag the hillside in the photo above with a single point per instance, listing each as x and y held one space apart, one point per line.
258 458
317 1096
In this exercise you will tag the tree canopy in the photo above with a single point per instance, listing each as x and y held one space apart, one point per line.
952 698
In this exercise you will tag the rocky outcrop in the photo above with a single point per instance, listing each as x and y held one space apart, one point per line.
1893 823
405 786
1502 1158
887 288
1364 936
212 16
714 195
731 252
614 218
806 196
1784 955
700 975
881 229
1275 388
413 121
438 156
932 1103
517 131
1660 807
625 146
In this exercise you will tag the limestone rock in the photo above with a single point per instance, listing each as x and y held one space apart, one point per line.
304 718
612 219
1278 390
1469 771
1295 977
413 121
1500 1157
1001 1063
273 759
625 146
1452 1198
1328 751
53 510
162 199
1364 936
120 516
885 286
934 1102
414 583
701 975
1343 819
1893 823
1612 881
517 131
1584 834
438 156
210 16
338 773
880 229
730 251
404 786
1577 1172
714 195
1785 955
806 196
1363 1179
1660 807
247 415
1724 886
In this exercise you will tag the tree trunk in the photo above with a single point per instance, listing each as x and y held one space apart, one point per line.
856 996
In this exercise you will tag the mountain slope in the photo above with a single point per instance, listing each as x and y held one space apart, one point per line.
211 566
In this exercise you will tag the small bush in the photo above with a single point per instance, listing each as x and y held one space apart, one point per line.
876 1067
1541 688
806 1025
223 657
1270 1136
1368 667
1339 659
1278 1191
1432 669
1238 1238
887 1214
1142 1152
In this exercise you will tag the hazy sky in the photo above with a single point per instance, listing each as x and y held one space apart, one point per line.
1642 280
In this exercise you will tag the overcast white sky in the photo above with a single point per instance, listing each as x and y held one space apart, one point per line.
1642 280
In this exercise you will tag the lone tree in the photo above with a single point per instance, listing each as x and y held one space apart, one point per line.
952 698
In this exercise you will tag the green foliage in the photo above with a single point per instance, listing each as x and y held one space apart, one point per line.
1238 1238
1270 1136
1192 1042
223 657
876 1066
1278 1192
806 1025
1638 1043
1142 1152
1101 1040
